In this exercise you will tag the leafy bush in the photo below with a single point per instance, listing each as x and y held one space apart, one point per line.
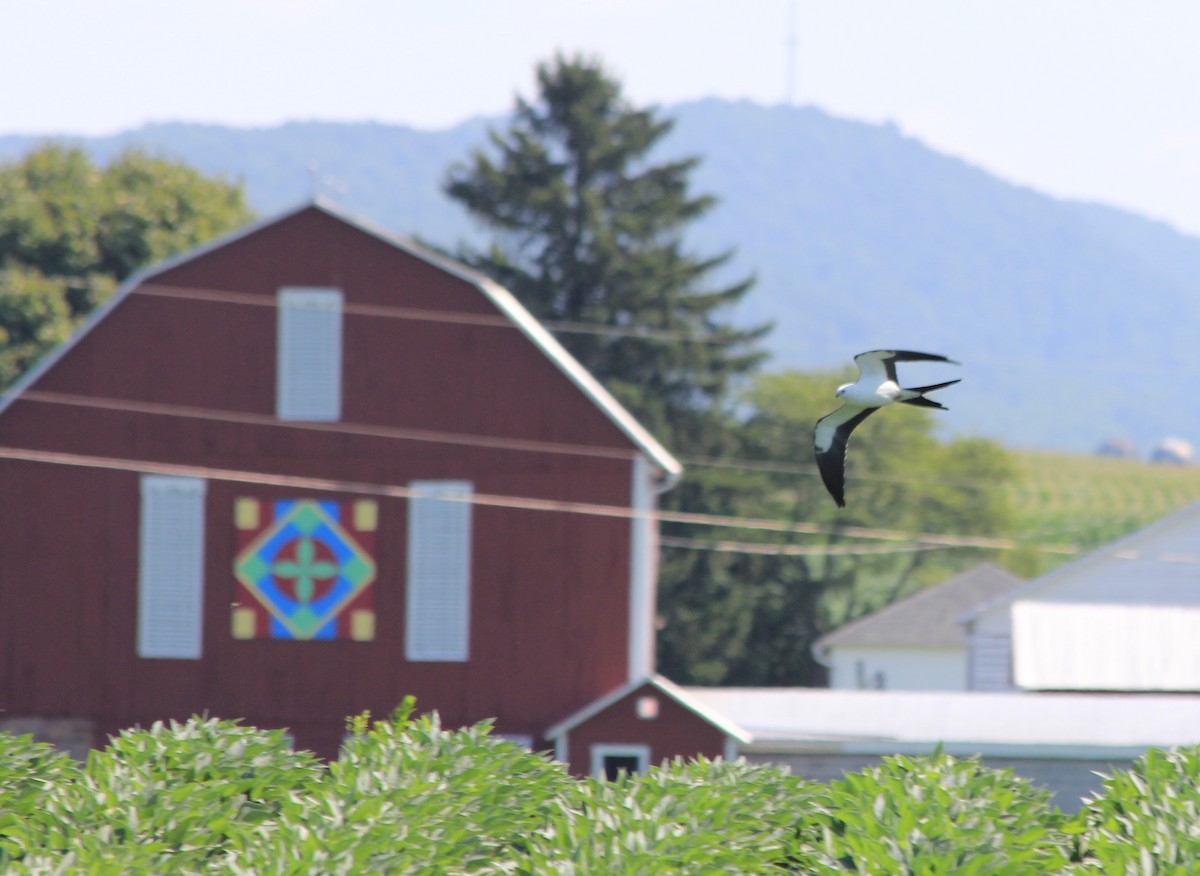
1147 819
697 817
408 796
30 773
942 815
176 795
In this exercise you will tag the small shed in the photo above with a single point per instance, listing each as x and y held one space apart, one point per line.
641 724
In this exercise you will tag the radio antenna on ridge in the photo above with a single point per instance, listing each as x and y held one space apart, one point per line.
792 44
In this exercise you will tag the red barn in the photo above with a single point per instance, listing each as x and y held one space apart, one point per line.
309 469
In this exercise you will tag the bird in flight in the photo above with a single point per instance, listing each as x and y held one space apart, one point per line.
875 388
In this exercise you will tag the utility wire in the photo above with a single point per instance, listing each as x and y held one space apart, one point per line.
555 326
439 436
436 436
514 502
793 468
441 316
647 334
394 432
793 550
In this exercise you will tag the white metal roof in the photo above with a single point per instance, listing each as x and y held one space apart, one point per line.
883 722
498 295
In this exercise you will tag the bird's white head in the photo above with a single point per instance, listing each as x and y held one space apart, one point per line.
841 390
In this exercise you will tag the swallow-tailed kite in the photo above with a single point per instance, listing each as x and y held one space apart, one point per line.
876 387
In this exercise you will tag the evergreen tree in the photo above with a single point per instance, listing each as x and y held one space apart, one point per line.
589 230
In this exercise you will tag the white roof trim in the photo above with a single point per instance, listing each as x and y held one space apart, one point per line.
508 304
504 300
662 685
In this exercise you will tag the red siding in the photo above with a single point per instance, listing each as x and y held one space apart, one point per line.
676 732
549 589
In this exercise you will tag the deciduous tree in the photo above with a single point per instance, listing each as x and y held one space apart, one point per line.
70 231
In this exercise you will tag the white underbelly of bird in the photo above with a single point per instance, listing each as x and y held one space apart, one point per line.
866 397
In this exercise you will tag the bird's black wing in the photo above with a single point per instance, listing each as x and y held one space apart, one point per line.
830 438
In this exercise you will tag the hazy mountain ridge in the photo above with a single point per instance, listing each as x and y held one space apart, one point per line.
1075 321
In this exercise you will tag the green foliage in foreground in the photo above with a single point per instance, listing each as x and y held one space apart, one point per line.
407 796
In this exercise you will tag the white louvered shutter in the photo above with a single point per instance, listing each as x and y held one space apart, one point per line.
309 344
439 572
171 568
990 663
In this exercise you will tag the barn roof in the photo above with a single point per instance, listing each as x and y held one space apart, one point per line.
929 618
886 722
503 300
662 685
1154 565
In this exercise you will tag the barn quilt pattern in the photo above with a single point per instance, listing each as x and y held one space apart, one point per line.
305 569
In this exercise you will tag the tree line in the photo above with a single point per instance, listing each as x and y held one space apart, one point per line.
588 227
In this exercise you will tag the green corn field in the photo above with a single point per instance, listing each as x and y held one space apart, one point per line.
1085 501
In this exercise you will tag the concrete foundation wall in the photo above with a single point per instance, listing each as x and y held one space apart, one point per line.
75 736
1069 780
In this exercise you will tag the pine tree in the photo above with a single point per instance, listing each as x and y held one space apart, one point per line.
590 231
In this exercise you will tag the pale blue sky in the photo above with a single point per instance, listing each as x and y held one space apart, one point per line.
1093 99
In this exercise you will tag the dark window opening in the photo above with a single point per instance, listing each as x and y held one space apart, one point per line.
615 764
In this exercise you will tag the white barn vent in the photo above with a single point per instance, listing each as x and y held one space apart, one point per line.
437 625
309 354
171 568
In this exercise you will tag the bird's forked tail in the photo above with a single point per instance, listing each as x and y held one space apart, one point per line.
919 398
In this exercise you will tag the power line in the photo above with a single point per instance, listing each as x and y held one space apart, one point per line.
770 467
907 542
259 420
437 436
514 502
793 550
390 311
560 326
